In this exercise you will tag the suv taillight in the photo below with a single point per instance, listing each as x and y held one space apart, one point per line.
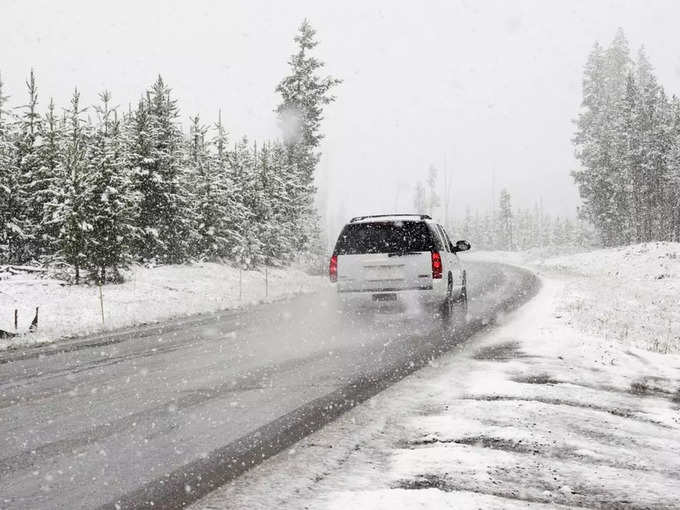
436 265
333 269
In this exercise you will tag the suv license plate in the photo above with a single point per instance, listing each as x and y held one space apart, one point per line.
384 297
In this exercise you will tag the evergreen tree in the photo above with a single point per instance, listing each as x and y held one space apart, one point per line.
159 178
280 187
248 250
468 225
68 206
505 222
275 233
420 199
111 203
568 232
8 174
673 183
626 142
7 179
604 86
51 134
303 96
523 230
487 234
139 144
433 200
99 194
230 204
212 202
25 218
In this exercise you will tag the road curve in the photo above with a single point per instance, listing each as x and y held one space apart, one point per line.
160 416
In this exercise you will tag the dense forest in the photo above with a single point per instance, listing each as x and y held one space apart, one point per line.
511 229
628 144
96 188
506 227
503 226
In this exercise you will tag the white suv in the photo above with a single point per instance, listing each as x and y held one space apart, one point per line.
388 257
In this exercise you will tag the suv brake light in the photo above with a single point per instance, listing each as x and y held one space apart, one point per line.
333 269
436 265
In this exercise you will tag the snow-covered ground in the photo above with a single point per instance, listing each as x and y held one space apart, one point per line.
631 293
148 295
549 410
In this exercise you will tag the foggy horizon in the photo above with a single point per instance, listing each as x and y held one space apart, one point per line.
492 101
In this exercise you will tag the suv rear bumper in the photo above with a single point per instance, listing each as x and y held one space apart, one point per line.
419 295
381 290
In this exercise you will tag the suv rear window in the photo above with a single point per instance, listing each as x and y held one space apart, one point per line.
384 237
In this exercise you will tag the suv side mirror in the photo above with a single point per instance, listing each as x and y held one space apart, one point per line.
460 246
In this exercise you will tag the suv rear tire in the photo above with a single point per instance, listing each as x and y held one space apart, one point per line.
448 305
462 301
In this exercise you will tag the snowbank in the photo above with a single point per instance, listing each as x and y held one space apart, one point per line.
630 294
148 295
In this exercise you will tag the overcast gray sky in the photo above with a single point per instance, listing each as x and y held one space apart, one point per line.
478 86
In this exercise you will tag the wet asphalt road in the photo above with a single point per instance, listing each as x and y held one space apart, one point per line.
162 415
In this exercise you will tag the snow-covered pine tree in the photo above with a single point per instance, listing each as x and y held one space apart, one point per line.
197 166
173 226
111 202
139 144
476 232
211 199
232 209
591 177
468 226
24 242
487 234
617 65
645 112
505 222
546 230
629 186
626 144
586 235
3 101
536 218
673 185
51 133
281 186
265 215
303 96
420 199
67 208
8 176
248 249
159 178
568 232
433 200
522 235
659 150
558 232
598 179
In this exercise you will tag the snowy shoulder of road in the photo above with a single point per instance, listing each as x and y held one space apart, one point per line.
631 294
551 409
148 295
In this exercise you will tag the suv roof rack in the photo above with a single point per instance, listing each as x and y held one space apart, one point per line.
359 218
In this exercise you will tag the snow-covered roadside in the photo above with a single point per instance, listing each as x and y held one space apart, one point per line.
631 294
539 414
148 295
